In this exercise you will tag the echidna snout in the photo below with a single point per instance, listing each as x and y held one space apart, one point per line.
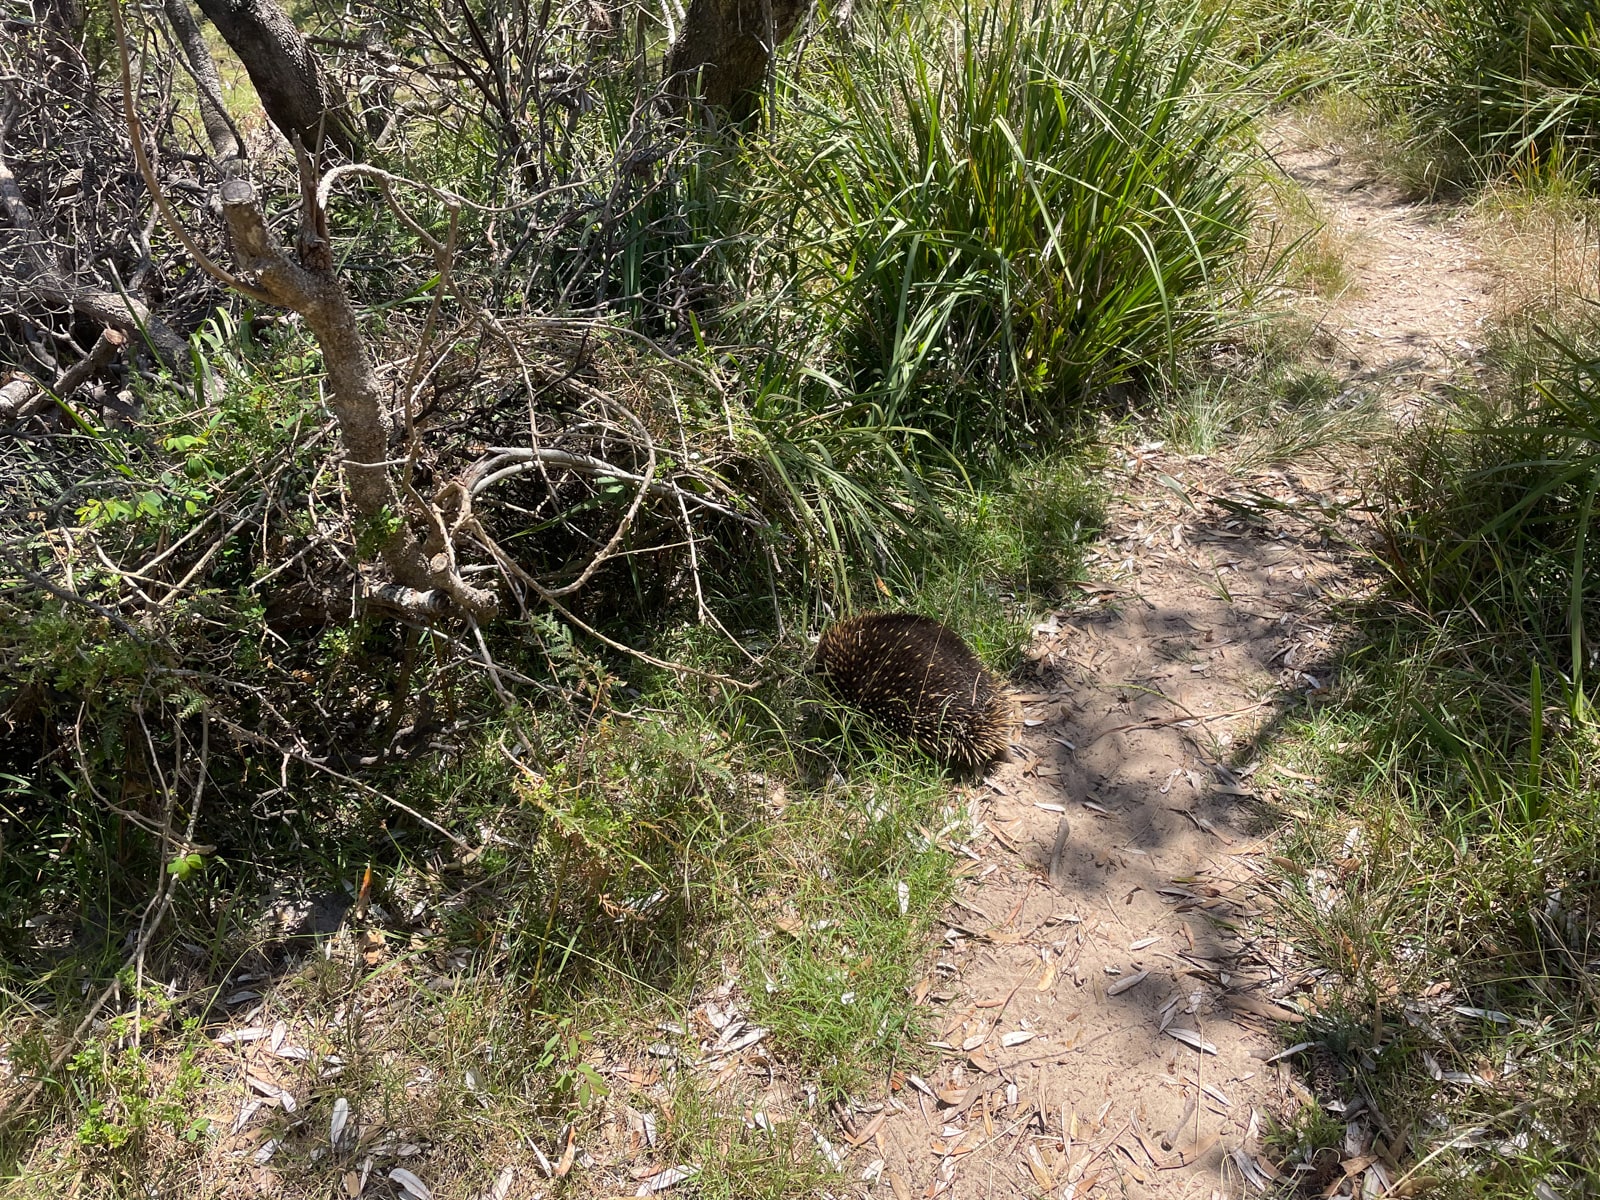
919 681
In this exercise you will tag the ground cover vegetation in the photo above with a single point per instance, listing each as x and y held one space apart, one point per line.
1444 858
494 887
1456 794
408 569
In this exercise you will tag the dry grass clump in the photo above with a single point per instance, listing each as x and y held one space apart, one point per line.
1542 250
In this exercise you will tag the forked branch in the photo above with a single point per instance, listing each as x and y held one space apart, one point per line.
306 283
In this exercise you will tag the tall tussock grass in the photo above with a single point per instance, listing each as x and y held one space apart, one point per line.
964 231
993 222
1509 86
1473 90
1311 45
1441 93
1491 511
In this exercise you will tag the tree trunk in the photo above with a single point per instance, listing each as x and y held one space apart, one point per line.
219 129
299 96
727 46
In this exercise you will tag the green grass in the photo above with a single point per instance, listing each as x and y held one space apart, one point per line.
1313 256
832 974
1451 877
1012 546
1493 506
992 228
1507 87
1316 47
1381 135
1274 405
739 1157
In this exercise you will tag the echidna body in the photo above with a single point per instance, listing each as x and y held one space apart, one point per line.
921 682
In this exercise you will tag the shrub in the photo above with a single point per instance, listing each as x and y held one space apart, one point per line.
999 224
1512 85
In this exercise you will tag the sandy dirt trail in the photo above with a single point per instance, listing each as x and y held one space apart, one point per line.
1414 315
1107 1008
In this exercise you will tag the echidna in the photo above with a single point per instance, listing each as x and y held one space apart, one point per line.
921 682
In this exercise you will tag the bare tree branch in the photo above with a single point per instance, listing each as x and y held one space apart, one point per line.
508 461
355 395
307 284
36 275
136 136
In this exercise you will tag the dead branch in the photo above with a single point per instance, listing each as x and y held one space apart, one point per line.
167 883
626 522
417 531
23 398
169 218
37 276
509 461
17 398
444 259
105 348
676 668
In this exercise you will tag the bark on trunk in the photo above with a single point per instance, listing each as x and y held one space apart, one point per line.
220 132
299 96
309 285
723 52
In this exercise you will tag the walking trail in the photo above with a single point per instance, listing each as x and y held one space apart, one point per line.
1108 1005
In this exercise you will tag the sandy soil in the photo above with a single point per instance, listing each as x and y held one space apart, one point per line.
1109 1009
1413 316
